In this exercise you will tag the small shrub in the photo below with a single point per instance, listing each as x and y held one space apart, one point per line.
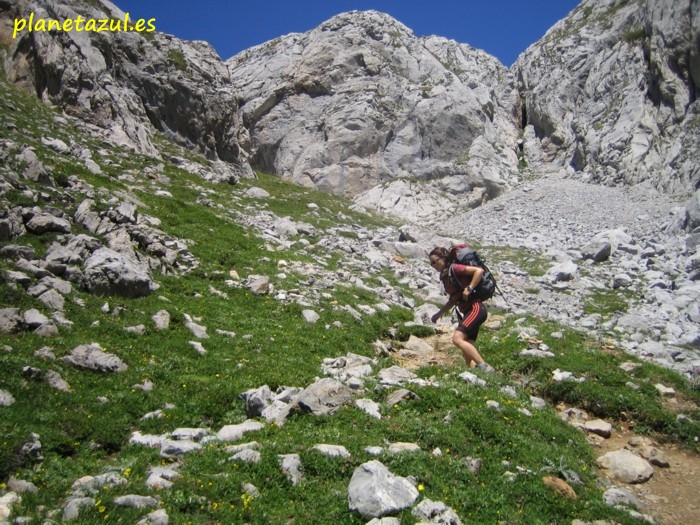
177 59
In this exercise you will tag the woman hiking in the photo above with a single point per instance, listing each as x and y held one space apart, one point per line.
472 312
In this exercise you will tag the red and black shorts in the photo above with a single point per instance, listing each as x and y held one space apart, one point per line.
473 317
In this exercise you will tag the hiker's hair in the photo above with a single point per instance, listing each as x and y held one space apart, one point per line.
440 252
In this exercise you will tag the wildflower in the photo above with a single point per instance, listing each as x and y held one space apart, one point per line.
421 488
127 471
101 509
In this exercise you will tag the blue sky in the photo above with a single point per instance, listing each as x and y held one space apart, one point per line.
503 28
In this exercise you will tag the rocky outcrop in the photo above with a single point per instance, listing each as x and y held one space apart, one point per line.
610 92
128 84
360 101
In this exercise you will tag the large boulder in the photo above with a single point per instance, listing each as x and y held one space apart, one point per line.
375 492
110 273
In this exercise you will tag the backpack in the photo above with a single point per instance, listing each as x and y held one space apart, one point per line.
463 254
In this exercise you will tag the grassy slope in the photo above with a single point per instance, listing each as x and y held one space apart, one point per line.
273 346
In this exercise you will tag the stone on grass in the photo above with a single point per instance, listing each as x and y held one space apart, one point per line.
93 357
375 492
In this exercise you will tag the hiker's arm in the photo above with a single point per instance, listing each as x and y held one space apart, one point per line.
442 311
476 274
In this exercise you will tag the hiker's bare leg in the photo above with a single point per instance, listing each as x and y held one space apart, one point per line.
469 352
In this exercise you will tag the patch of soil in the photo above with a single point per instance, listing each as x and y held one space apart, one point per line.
671 496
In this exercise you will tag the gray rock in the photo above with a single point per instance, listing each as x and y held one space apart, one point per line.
257 193
14 251
325 396
369 406
396 375
21 486
93 357
400 396
55 144
17 277
33 318
176 448
207 122
236 432
599 427
53 300
601 132
134 501
564 271
598 252
429 511
692 213
617 496
291 466
74 506
157 517
246 456
44 222
10 320
626 467
310 316
258 284
110 273
161 320
257 400
401 448
55 381
375 492
92 485
197 330
332 451
6 398
454 103
11 225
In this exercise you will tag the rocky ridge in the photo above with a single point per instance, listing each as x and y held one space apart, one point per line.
404 124
610 93
128 86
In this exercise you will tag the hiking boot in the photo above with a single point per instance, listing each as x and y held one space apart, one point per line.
487 368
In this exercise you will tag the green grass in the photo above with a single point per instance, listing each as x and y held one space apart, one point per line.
82 435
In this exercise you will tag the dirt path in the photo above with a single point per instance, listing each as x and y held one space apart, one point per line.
671 496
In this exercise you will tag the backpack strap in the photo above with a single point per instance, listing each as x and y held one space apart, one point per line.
454 279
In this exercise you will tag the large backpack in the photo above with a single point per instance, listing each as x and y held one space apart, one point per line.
463 254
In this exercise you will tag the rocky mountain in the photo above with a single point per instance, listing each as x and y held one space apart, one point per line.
128 85
360 106
611 91
360 101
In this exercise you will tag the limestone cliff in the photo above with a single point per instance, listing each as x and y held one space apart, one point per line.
611 92
360 106
127 84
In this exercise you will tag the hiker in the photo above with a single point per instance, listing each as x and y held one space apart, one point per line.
472 312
